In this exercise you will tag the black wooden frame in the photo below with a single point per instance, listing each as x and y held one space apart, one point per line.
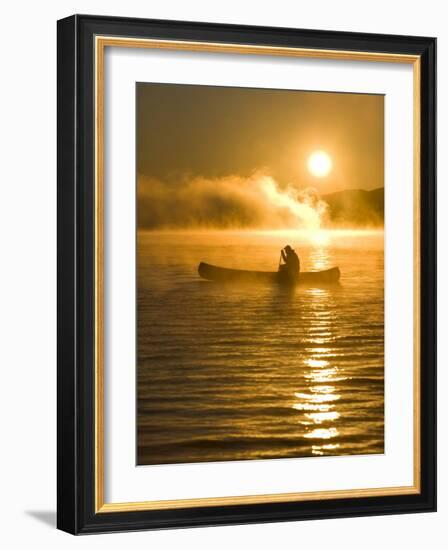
75 476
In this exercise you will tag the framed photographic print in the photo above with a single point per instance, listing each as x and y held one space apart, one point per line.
246 274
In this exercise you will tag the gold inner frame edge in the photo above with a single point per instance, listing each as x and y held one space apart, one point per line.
101 42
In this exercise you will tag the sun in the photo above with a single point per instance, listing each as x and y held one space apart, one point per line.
320 164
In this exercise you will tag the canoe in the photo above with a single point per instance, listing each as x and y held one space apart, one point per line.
226 275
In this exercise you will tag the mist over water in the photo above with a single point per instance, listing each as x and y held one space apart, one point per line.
251 372
229 202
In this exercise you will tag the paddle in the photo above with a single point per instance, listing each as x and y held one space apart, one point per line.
280 261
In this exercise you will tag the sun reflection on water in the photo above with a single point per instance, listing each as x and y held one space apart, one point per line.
322 433
320 450
320 417
318 397
318 402
320 237
316 362
319 257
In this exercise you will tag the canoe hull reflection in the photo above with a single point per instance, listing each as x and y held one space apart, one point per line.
226 275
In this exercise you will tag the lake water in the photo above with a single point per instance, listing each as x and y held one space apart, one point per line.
235 373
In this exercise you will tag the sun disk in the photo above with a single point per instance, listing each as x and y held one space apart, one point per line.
320 164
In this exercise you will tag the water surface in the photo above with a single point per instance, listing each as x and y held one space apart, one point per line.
235 373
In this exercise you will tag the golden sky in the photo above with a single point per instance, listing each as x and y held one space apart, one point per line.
205 141
219 131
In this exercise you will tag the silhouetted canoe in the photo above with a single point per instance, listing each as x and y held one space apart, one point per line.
226 275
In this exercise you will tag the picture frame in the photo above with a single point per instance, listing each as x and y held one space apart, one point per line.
82 195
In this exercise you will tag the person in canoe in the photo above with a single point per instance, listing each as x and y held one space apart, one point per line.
291 266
